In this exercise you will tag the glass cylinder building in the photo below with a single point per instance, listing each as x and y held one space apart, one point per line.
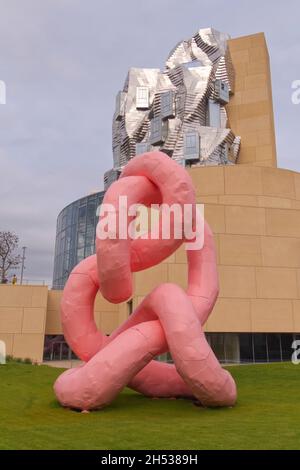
75 235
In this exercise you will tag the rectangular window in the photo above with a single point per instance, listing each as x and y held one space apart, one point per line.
142 147
90 237
286 346
221 92
142 97
80 239
68 239
80 254
260 347
158 131
191 146
64 221
117 155
89 250
216 341
91 213
69 216
62 243
167 105
213 114
232 348
274 347
246 347
75 213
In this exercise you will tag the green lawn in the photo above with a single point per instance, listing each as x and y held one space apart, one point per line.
267 415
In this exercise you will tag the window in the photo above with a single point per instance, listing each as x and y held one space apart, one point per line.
221 92
246 347
142 97
286 346
260 347
158 131
89 250
68 239
167 105
226 346
191 146
117 155
91 213
77 239
82 218
274 347
250 347
142 147
232 348
69 216
64 220
80 239
65 267
75 213
90 236
56 349
80 254
213 114
216 342
192 64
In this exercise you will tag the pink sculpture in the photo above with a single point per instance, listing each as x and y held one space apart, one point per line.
168 319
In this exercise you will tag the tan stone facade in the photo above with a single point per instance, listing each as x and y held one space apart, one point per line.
107 315
254 211
23 311
251 108
28 313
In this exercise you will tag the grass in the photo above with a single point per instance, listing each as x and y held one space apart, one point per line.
266 416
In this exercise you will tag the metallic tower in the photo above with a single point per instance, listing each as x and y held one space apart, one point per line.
180 110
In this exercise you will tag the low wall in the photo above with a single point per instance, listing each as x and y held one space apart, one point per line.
23 311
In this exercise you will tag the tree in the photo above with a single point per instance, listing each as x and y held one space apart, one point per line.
8 258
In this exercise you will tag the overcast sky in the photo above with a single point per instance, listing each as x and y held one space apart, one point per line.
63 62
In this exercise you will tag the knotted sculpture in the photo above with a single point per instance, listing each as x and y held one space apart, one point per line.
168 318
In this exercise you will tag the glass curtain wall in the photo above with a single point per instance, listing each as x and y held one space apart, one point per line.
75 236
236 348
252 347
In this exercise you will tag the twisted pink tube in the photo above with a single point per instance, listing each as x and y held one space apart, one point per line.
168 319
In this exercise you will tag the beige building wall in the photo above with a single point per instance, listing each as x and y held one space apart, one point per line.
250 110
255 216
28 313
107 315
22 320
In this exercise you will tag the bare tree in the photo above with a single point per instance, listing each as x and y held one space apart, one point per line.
8 258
